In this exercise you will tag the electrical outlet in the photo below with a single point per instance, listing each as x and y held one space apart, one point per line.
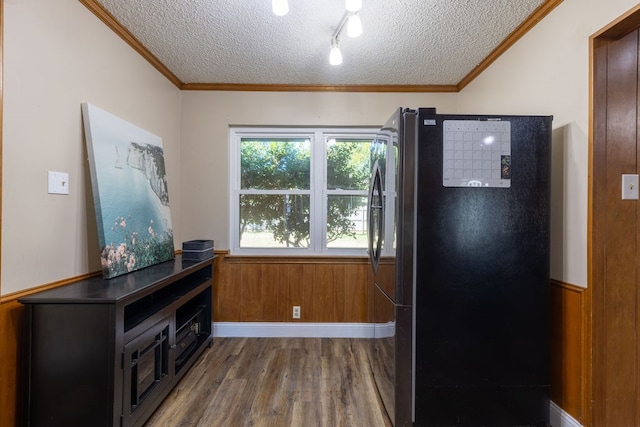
296 311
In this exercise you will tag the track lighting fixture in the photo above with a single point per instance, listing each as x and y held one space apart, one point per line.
354 29
280 7
351 19
335 56
354 25
353 5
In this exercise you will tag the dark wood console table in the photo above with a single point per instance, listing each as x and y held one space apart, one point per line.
107 352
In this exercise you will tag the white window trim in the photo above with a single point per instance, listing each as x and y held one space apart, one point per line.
318 137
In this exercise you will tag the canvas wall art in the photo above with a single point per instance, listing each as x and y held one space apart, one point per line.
130 193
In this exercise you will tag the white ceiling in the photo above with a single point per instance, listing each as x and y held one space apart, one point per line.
405 42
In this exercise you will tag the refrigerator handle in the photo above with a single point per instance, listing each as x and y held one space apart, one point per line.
375 211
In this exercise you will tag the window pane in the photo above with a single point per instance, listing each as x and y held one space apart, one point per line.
347 222
275 164
348 164
274 220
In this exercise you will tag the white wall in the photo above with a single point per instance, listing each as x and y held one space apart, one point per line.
206 117
547 72
57 54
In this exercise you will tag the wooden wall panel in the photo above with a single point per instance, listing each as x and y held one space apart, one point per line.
271 298
251 303
10 361
324 292
283 293
621 251
339 292
356 294
309 301
614 227
568 349
226 292
265 289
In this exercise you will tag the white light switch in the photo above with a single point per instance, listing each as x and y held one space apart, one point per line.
629 187
58 182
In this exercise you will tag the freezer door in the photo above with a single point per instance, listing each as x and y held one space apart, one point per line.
482 276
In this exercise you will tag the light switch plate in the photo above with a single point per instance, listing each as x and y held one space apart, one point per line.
629 187
58 182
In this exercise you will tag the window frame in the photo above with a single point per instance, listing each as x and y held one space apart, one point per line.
319 137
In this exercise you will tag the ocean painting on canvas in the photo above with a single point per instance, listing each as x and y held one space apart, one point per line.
130 194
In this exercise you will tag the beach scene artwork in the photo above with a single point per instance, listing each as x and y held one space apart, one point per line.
130 194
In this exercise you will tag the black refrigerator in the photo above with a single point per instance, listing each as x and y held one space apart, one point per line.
459 246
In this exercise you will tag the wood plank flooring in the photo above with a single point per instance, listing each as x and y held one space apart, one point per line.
276 382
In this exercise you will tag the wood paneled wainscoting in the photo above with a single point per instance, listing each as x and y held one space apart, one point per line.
261 289
10 361
265 289
569 350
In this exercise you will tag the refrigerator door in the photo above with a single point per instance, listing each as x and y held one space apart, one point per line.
394 153
382 287
383 349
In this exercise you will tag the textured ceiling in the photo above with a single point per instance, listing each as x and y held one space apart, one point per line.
405 42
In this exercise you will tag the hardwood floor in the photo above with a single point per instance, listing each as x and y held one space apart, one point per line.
276 382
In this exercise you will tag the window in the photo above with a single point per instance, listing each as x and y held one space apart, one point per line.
299 191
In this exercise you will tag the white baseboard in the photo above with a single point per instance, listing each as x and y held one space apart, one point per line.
559 418
292 330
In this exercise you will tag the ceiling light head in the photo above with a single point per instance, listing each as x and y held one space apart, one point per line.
335 56
354 26
353 5
280 7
